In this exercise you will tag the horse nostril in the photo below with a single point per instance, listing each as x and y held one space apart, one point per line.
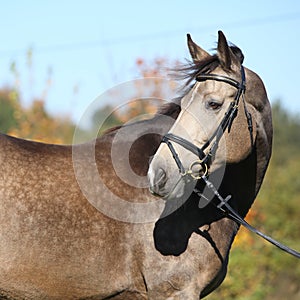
158 181
160 178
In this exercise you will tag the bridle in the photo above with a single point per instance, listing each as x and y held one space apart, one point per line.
205 159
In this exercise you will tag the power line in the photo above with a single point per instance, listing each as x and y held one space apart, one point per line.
155 36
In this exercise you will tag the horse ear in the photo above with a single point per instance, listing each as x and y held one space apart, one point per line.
197 53
226 57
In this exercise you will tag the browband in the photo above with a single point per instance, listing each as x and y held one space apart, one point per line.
239 85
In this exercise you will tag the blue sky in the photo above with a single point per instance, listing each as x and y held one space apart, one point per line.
92 45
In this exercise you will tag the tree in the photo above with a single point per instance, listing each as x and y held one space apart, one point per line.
136 106
35 123
32 122
8 107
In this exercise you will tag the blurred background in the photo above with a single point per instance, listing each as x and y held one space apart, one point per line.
56 57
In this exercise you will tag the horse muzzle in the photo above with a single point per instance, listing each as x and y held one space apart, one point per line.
170 183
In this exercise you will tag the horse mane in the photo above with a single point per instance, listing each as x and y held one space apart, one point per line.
170 109
111 130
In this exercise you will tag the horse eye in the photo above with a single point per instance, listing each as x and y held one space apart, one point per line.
213 105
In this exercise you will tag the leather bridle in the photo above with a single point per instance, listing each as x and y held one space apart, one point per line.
205 159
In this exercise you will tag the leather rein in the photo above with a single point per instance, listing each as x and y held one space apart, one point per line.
206 159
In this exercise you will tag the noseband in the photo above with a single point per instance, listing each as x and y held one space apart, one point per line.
205 159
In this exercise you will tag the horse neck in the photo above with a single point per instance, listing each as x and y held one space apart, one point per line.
240 181
125 155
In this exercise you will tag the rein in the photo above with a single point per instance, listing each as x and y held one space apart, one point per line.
228 211
205 159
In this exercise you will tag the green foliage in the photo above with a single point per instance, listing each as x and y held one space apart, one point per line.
286 134
258 270
32 122
7 102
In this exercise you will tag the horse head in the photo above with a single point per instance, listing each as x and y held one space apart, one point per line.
225 116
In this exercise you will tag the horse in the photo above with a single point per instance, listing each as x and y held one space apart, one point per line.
61 237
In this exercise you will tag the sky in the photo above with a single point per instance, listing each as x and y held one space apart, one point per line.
88 47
